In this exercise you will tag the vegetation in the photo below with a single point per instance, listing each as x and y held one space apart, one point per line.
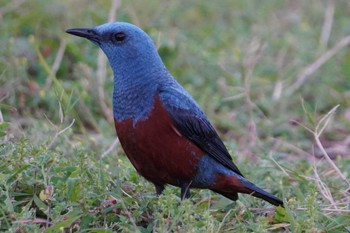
273 76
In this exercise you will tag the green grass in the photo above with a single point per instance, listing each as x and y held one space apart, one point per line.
238 59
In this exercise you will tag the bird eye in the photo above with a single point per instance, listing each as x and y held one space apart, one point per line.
119 37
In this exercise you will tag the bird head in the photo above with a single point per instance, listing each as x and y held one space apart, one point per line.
127 47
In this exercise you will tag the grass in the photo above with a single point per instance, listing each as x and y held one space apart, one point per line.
273 77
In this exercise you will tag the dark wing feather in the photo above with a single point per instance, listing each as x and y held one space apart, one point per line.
192 123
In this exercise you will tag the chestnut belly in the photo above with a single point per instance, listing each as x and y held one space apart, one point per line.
157 150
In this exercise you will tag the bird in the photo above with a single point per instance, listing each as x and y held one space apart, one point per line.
163 131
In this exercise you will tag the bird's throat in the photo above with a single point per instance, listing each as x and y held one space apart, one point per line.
134 102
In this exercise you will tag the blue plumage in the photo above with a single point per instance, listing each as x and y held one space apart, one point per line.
163 131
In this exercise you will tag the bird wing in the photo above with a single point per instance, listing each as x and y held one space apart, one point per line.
193 124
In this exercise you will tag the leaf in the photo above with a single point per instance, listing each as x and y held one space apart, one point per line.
19 170
280 214
18 194
9 205
4 125
74 189
60 226
39 203
99 230
309 116
3 128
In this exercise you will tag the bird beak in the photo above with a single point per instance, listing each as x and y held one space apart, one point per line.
87 33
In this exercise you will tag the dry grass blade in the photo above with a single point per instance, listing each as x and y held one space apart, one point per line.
60 132
328 210
110 148
68 127
1 117
278 226
223 220
57 63
58 128
321 125
324 188
308 71
279 166
325 119
327 23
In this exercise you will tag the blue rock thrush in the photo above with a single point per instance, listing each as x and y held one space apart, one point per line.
161 128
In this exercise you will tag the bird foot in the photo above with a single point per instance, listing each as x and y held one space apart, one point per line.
159 189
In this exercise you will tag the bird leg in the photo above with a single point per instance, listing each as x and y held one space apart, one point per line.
185 190
159 188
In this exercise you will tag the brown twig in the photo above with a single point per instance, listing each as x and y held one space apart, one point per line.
290 146
327 24
279 166
110 148
320 127
1 117
57 63
281 64
308 71
323 188
254 53
328 210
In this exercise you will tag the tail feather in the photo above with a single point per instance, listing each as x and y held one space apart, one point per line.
230 185
260 193
230 195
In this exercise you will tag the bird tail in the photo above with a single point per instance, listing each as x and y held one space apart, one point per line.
230 185
260 193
